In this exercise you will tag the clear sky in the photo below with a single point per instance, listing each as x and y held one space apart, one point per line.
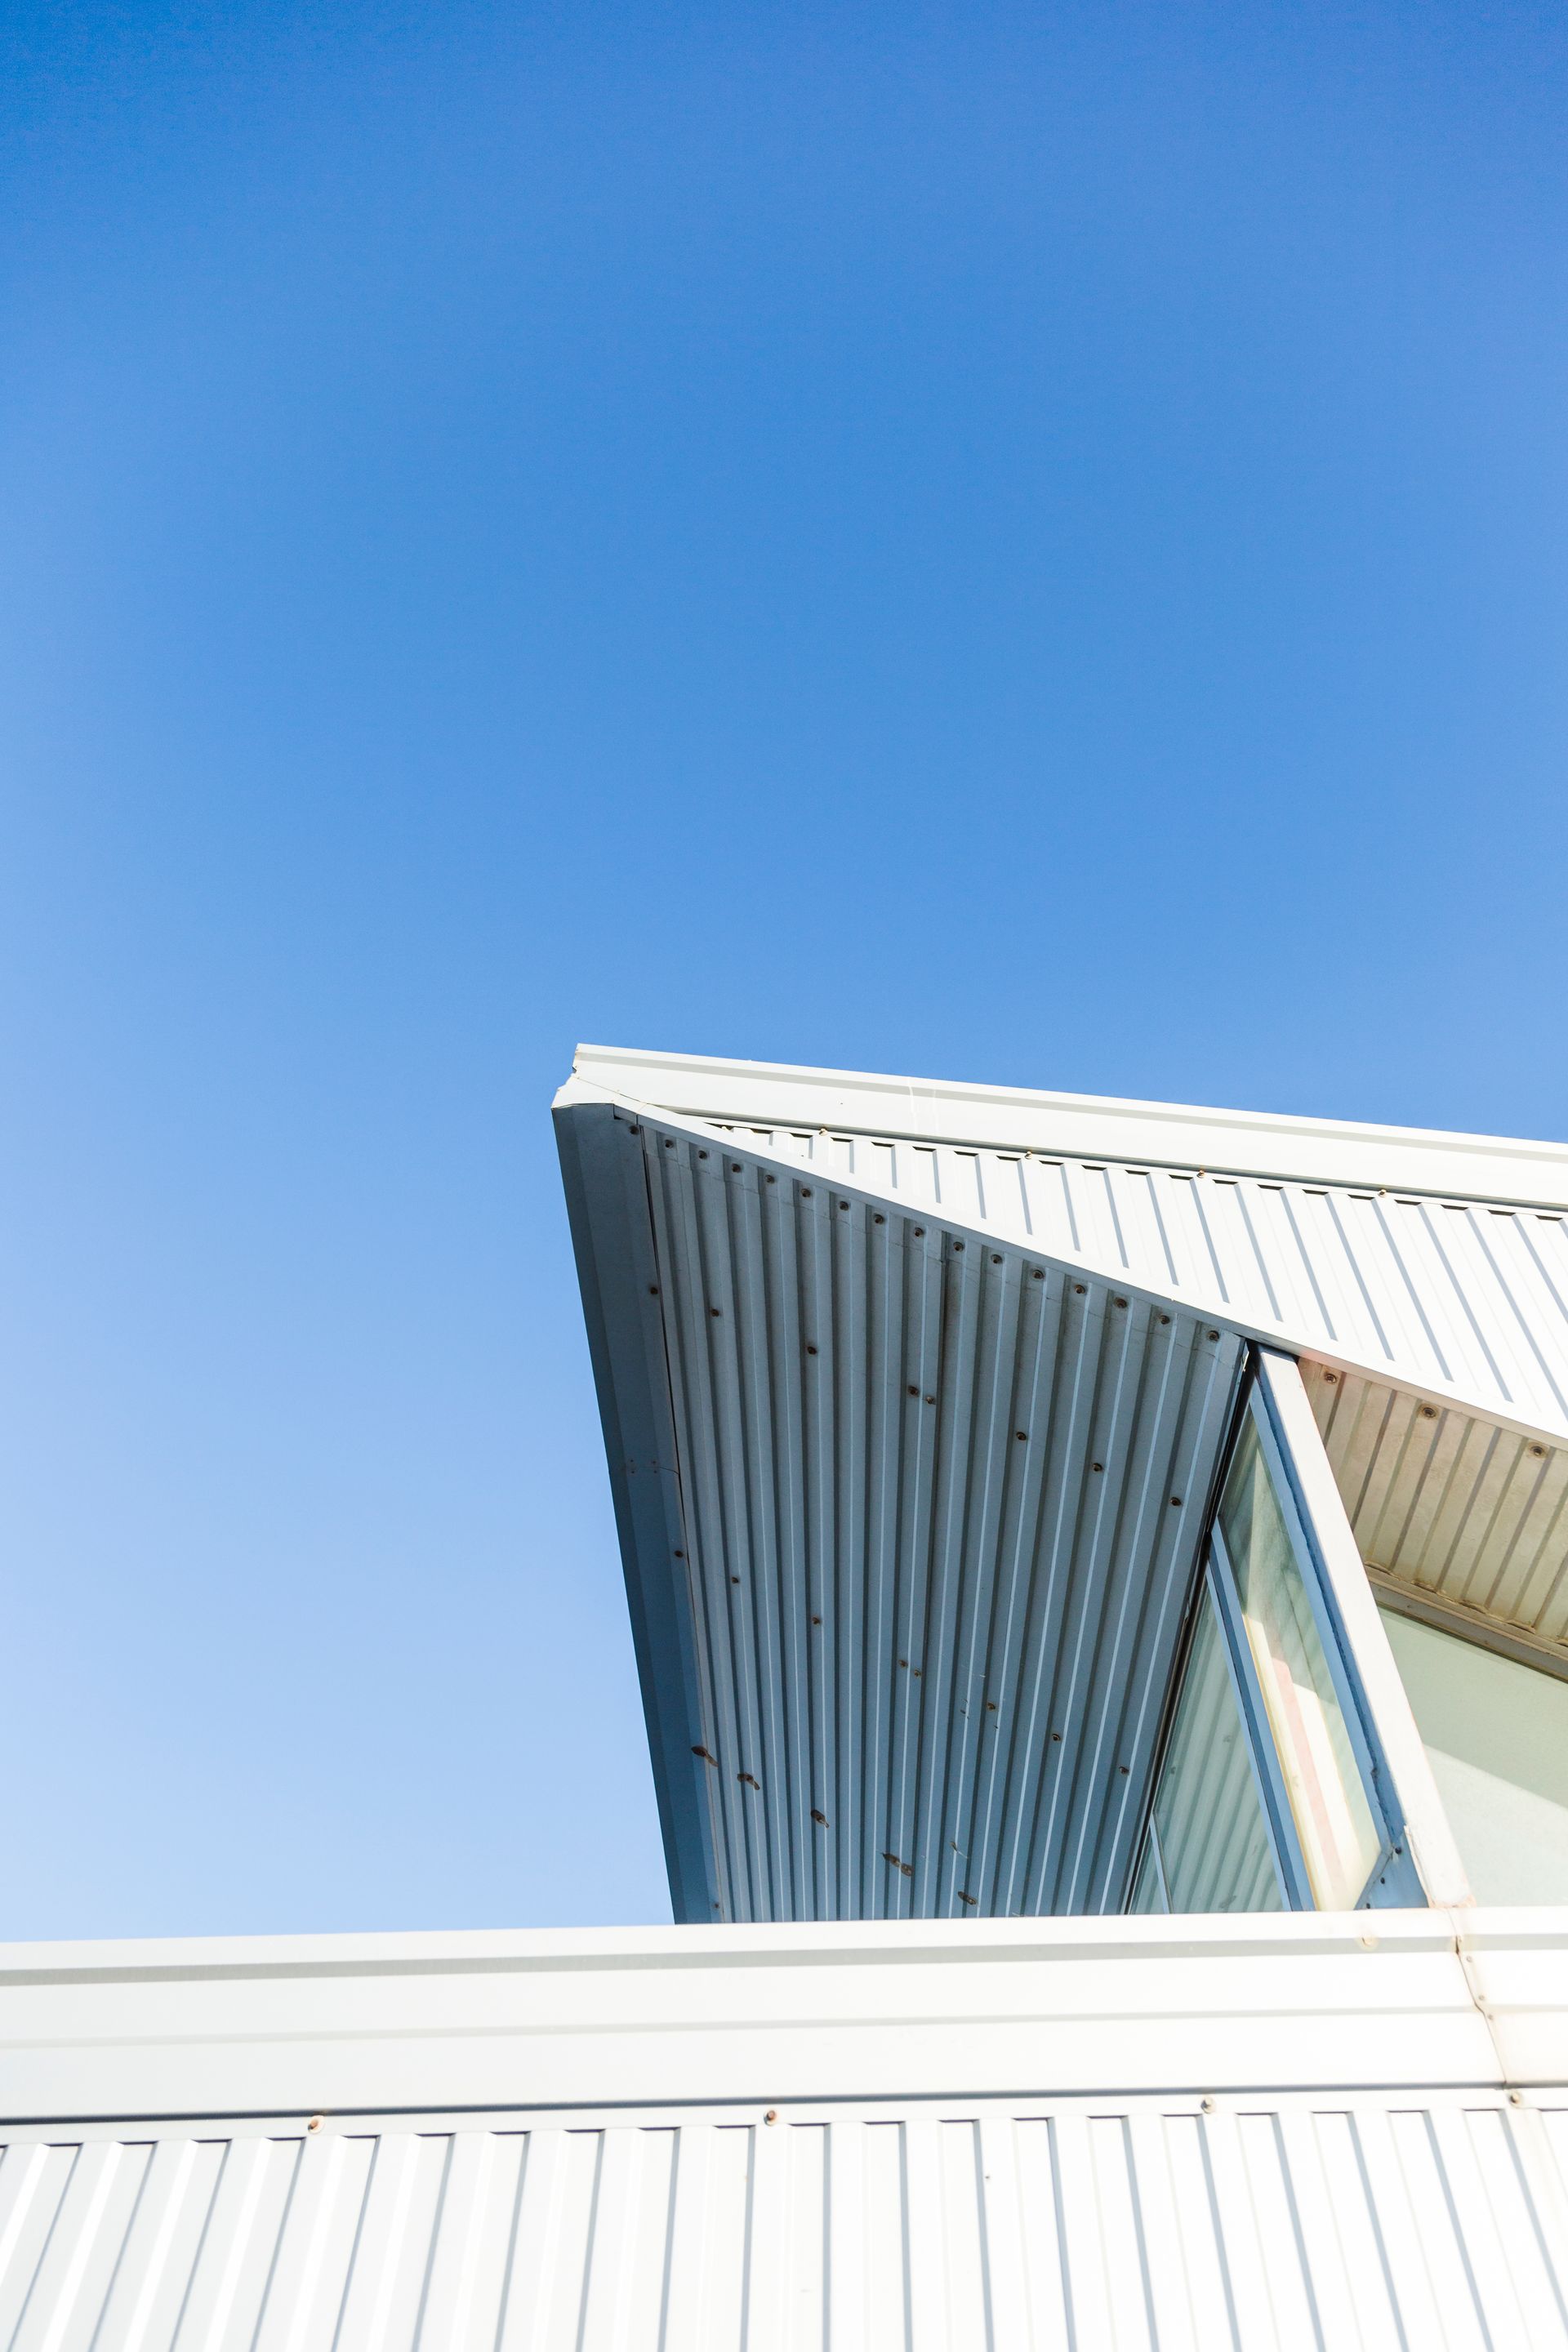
1011 543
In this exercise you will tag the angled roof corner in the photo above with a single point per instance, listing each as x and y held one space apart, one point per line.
914 1397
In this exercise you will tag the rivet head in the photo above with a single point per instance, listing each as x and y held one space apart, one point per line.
1121 1302
1175 1502
1078 1289
995 1257
920 1232
956 1247
1214 1335
805 1192
315 2123
771 2117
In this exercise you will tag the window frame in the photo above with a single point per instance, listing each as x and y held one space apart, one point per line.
1377 1713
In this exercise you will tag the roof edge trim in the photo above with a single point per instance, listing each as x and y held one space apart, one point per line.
1516 1170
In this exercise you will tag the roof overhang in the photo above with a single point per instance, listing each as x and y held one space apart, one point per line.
914 1409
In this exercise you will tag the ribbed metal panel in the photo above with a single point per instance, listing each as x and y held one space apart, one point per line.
991 2226
941 1502
1453 1296
1449 1505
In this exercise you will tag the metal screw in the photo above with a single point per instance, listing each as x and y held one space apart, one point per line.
1214 1335
809 1348
1022 1435
1165 1319
1208 2107
995 1257
805 1192
315 2123
771 1180
1079 1287
879 1220
920 1232
1175 1502
653 1290
1120 1302
1039 1273
816 1620
702 1155
771 2117
914 1391
1330 1378
1097 1466
956 1247
1539 1452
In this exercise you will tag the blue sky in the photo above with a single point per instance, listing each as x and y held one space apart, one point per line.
1023 543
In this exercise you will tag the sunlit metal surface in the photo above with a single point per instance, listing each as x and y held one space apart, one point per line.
972 2225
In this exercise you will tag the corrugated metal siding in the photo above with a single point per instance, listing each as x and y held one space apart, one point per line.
942 1503
1449 1504
1455 1295
989 2226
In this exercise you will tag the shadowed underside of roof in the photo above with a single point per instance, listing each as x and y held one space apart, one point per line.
909 1555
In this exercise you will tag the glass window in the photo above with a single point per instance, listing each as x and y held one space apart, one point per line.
1497 1733
1208 1817
1340 1839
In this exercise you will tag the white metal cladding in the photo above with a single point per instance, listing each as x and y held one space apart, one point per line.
1449 1505
942 1503
959 2227
1464 1299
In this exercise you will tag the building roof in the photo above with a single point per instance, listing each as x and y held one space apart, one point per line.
914 1397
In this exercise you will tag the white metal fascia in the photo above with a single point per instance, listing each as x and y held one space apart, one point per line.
1323 1150
908 2009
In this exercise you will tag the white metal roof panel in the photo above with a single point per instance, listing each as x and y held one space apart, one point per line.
1460 1299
